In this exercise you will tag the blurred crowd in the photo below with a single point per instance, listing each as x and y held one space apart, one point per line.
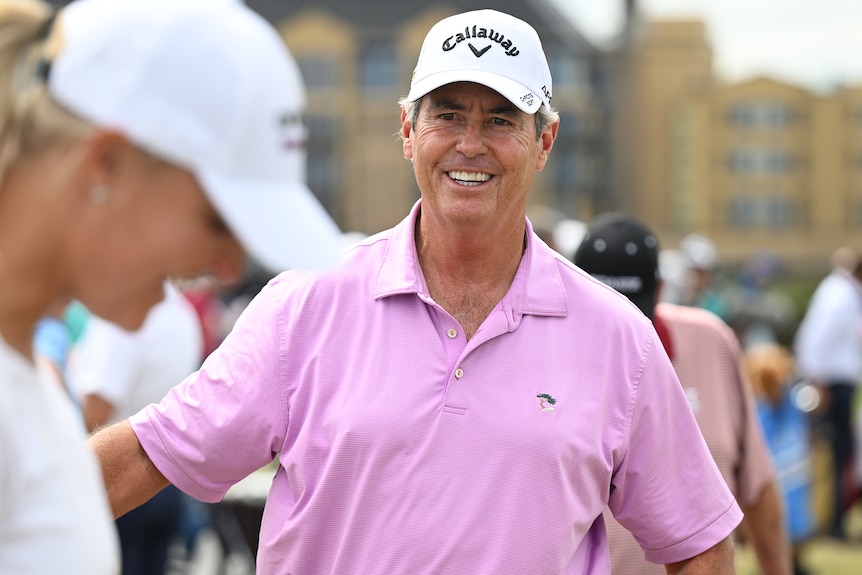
803 362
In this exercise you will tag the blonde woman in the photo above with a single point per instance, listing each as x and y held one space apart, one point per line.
139 140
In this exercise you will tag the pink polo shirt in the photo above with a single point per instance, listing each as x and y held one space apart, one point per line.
405 449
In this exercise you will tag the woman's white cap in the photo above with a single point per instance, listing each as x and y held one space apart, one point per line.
489 48
207 85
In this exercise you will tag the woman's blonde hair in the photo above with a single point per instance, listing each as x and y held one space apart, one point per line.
30 38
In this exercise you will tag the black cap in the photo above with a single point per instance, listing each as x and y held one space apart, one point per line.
623 253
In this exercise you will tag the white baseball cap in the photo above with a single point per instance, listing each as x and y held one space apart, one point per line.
209 86
700 250
489 48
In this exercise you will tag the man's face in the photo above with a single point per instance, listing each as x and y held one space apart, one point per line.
474 156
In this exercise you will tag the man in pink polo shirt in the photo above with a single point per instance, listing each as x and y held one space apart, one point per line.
623 253
454 397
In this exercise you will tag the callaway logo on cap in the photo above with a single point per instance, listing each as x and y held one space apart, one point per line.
487 47
479 33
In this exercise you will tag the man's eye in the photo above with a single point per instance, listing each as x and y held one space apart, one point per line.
448 116
501 122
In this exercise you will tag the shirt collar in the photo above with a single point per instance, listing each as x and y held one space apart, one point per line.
537 288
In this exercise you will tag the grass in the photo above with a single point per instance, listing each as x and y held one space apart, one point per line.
822 556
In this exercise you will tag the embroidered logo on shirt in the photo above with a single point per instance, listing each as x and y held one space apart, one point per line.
546 402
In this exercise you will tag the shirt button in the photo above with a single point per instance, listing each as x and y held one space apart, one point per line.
452 333
459 373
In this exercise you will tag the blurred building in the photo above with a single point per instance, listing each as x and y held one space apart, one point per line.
646 127
756 166
357 59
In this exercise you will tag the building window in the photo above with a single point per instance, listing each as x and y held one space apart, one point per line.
378 66
568 69
324 173
740 213
742 161
760 161
742 115
778 161
776 115
773 211
764 115
780 213
565 172
319 70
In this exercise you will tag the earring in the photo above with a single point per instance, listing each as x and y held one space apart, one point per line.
99 194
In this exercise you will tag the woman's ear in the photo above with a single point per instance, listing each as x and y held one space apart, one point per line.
106 152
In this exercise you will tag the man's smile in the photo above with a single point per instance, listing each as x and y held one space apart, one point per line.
469 178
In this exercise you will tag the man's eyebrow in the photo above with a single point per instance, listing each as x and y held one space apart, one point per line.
507 109
445 104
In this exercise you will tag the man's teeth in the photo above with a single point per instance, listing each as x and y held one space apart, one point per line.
469 178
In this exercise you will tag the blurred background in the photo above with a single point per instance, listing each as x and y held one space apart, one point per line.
737 120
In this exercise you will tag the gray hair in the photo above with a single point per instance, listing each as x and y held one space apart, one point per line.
544 116
29 116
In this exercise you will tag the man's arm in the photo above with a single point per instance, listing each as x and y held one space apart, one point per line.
130 477
717 560
764 521
96 410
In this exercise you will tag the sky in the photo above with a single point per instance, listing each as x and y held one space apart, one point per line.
814 44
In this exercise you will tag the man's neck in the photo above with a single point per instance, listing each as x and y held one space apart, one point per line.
468 276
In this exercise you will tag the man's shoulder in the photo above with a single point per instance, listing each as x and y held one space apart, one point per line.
695 321
360 262
688 314
589 297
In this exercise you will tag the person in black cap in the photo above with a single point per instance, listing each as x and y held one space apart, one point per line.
623 253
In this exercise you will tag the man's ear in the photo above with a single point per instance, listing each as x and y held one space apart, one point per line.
547 142
406 132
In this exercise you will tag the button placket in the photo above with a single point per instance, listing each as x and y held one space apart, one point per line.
454 401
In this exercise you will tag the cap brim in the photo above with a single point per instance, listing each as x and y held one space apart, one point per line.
521 96
280 224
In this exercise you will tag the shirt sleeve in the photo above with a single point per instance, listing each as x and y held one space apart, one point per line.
668 491
229 418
